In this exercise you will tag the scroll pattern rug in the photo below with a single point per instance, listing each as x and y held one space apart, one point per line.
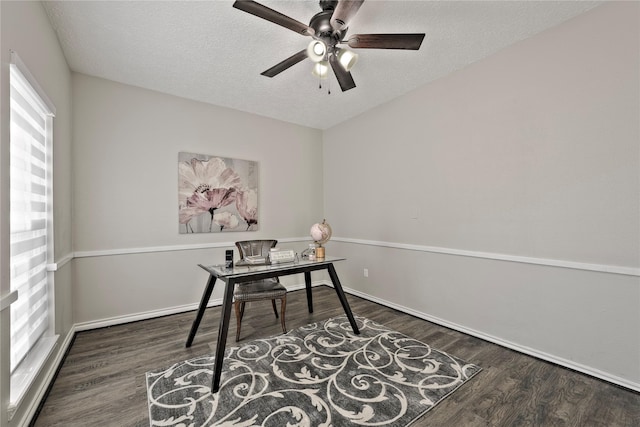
321 374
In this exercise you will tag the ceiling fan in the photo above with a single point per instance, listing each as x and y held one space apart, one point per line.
328 29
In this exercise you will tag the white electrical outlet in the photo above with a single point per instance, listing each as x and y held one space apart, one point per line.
366 272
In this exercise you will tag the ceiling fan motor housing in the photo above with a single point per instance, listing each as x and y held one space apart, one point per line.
321 24
328 4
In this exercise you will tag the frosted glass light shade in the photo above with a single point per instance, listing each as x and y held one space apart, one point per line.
316 50
321 69
347 58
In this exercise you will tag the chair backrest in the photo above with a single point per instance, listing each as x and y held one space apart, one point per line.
255 247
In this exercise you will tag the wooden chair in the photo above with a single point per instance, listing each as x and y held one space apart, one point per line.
260 289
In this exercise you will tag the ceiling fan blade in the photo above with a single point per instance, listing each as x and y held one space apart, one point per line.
386 41
343 76
344 12
264 12
289 62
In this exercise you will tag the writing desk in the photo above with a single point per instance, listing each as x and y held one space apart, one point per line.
248 273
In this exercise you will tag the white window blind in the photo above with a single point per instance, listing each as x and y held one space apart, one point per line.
30 212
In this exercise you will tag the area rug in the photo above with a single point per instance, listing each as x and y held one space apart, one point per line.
320 374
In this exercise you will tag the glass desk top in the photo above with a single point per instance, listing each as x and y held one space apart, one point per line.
239 270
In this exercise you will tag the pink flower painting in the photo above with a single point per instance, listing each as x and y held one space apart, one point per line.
247 205
216 194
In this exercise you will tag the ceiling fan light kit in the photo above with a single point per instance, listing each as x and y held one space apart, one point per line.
321 70
316 50
347 58
328 29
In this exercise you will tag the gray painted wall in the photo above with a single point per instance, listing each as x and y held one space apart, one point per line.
126 144
531 154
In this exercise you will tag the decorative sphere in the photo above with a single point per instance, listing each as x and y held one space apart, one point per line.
321 232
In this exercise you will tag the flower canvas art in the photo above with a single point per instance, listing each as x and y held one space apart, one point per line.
216 194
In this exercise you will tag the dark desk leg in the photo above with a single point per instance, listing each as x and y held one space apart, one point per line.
307 282
203 306
343 299
222 334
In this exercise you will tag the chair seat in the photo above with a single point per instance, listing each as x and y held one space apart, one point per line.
259 290
266 289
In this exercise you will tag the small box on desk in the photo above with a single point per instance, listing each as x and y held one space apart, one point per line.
281 256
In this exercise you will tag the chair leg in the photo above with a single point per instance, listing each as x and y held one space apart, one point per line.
283 306
275 311
238 318
242 310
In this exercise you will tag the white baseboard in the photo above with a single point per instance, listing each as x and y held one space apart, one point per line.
190 307
478 334
623 382
118 320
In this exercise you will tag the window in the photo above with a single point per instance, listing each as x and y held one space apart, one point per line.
31 244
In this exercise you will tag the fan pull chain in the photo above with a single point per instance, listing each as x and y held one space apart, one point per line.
328 84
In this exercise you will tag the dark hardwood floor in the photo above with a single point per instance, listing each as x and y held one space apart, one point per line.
102 380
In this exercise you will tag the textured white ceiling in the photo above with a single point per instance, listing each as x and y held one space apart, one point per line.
209 51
